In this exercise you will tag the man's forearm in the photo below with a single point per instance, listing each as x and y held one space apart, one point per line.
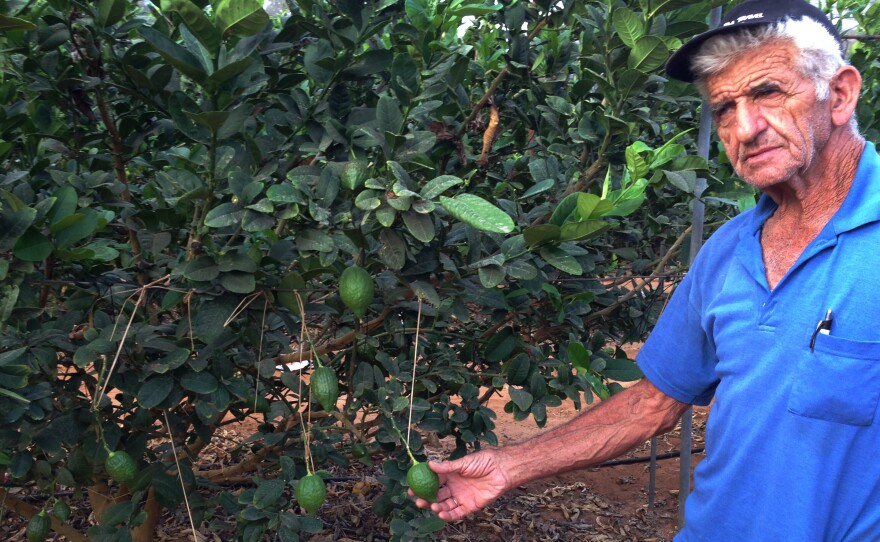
604 432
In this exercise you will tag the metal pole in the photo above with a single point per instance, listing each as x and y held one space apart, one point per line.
699 213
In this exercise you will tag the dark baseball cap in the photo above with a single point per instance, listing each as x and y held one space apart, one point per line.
748 14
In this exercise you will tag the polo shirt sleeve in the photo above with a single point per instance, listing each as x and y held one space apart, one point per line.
679 357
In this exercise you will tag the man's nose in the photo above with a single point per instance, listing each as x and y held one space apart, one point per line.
750 121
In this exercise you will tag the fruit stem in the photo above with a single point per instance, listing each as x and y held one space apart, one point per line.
412 387
404 439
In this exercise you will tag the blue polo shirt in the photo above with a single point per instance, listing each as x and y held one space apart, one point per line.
793 438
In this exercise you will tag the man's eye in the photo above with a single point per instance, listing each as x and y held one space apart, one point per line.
721 111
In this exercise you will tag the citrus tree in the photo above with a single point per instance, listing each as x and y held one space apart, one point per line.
355 222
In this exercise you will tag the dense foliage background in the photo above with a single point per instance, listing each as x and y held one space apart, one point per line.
183 183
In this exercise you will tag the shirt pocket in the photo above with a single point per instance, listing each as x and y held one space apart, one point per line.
838 382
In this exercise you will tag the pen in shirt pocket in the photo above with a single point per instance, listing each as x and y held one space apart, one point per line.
824 327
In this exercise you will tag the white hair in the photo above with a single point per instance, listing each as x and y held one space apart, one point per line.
819 59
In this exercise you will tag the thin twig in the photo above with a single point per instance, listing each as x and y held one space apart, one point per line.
180 476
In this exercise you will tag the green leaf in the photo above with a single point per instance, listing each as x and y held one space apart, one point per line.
438 185
174 54
370 63
666 154
238 282
432 523
13 225
236 261
196 20
203 382
622 370
425 290
500 345
118 513
240 17
33 246
12 395
227 73
561 260
210 119
628 26
368 200
393 249
473 10
648 55
284 193
538 188
636 165
75 228
268 493
541 234
388 115
686 181
286 293
111 12
420 226
225 214
578 231
521 398
14 23
155 390
491 275
421 12
518 369
591 206
521 270
478 213
202 269
564 209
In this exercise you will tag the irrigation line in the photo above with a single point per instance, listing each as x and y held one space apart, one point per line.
648 458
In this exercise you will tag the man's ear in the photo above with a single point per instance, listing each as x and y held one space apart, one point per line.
845 88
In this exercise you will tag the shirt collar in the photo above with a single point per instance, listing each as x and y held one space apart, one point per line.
861 205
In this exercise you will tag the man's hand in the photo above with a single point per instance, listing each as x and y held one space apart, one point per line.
467 485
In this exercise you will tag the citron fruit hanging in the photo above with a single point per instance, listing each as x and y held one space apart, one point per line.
121 467
38 527
325 387
356 289
423 481
311 493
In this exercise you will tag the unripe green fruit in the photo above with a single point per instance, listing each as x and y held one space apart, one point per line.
311 493
354 173
356 289
325 387
121 467
423 481
38 527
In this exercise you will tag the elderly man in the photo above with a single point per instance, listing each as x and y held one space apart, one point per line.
775 321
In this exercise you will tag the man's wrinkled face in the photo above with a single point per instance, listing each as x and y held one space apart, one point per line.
767 115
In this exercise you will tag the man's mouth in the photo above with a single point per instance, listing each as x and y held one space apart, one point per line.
757 154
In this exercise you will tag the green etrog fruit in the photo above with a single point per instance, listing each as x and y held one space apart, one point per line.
311 493
121 467
325 387
356 289
38 527
423 481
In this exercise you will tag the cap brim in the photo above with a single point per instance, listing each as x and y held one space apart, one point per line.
679 64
